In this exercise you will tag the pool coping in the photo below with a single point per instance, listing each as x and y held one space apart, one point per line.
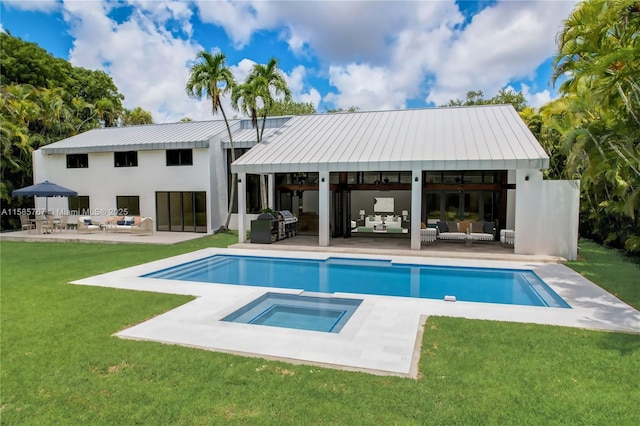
383 336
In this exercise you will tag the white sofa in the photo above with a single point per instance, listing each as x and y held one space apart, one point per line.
136 225
377 221
462 231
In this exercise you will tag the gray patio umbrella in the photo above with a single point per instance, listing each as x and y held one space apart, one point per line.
44 189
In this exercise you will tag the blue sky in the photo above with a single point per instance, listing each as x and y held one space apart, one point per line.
335 54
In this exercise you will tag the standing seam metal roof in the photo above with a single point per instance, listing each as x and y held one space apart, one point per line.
195 134
489 137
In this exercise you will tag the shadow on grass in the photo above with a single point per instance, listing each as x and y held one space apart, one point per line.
624 343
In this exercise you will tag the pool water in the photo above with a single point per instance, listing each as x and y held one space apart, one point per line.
363 276
295 311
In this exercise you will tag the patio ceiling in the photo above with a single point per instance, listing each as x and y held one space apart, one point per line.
488 137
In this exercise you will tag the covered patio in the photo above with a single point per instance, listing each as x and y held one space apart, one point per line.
418 145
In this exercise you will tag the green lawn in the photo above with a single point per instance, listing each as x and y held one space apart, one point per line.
61 365
611 269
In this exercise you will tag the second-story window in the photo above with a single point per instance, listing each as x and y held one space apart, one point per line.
77 161
179 157
125 159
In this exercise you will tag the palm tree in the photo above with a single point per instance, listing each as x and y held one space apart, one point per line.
262 84
212 78
246 98
599 115
273 82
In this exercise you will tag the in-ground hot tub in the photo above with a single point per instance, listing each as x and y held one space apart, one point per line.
327 314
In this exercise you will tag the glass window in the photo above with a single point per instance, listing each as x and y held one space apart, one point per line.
179 157
125 159
371 177
128 204
433 205
79 205
405 177
452 177
434 177
473 177
77 161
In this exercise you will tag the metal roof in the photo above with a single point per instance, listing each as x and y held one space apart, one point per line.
194 134
488 137
246 138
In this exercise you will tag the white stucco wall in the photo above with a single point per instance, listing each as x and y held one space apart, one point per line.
546 215
102 182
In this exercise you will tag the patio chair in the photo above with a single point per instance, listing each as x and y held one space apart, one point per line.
26 223
48 225
63 223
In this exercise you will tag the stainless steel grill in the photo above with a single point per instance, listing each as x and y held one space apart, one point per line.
289 224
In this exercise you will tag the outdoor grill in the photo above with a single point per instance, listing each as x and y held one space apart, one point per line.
289 223
268 228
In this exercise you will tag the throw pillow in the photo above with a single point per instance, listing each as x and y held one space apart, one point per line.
137 220
464 227
88 222
453 226
128 222
377 218
487 228
442 226
422 225
477 227
120 222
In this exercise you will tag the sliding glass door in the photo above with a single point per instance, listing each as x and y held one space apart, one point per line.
178 211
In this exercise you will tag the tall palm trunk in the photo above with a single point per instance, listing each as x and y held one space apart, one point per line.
234 177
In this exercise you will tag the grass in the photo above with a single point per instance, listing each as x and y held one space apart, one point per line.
611 269
61 365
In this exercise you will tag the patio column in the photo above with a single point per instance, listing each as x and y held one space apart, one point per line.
416 208
242 207
271 191
323 207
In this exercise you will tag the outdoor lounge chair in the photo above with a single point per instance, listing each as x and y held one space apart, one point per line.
145 227
86 226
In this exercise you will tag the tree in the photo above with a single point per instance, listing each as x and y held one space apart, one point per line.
43 100
136 116
598 65
212 78
255 97
284 107
338 110
476 97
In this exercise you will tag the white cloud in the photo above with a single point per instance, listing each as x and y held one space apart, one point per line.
45 6
504 42
296 83
147 63
537 99
238 19
363 86
421 49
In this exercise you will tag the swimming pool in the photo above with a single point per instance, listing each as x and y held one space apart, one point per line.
364 276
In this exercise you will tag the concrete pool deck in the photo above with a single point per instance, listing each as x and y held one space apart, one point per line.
384 334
